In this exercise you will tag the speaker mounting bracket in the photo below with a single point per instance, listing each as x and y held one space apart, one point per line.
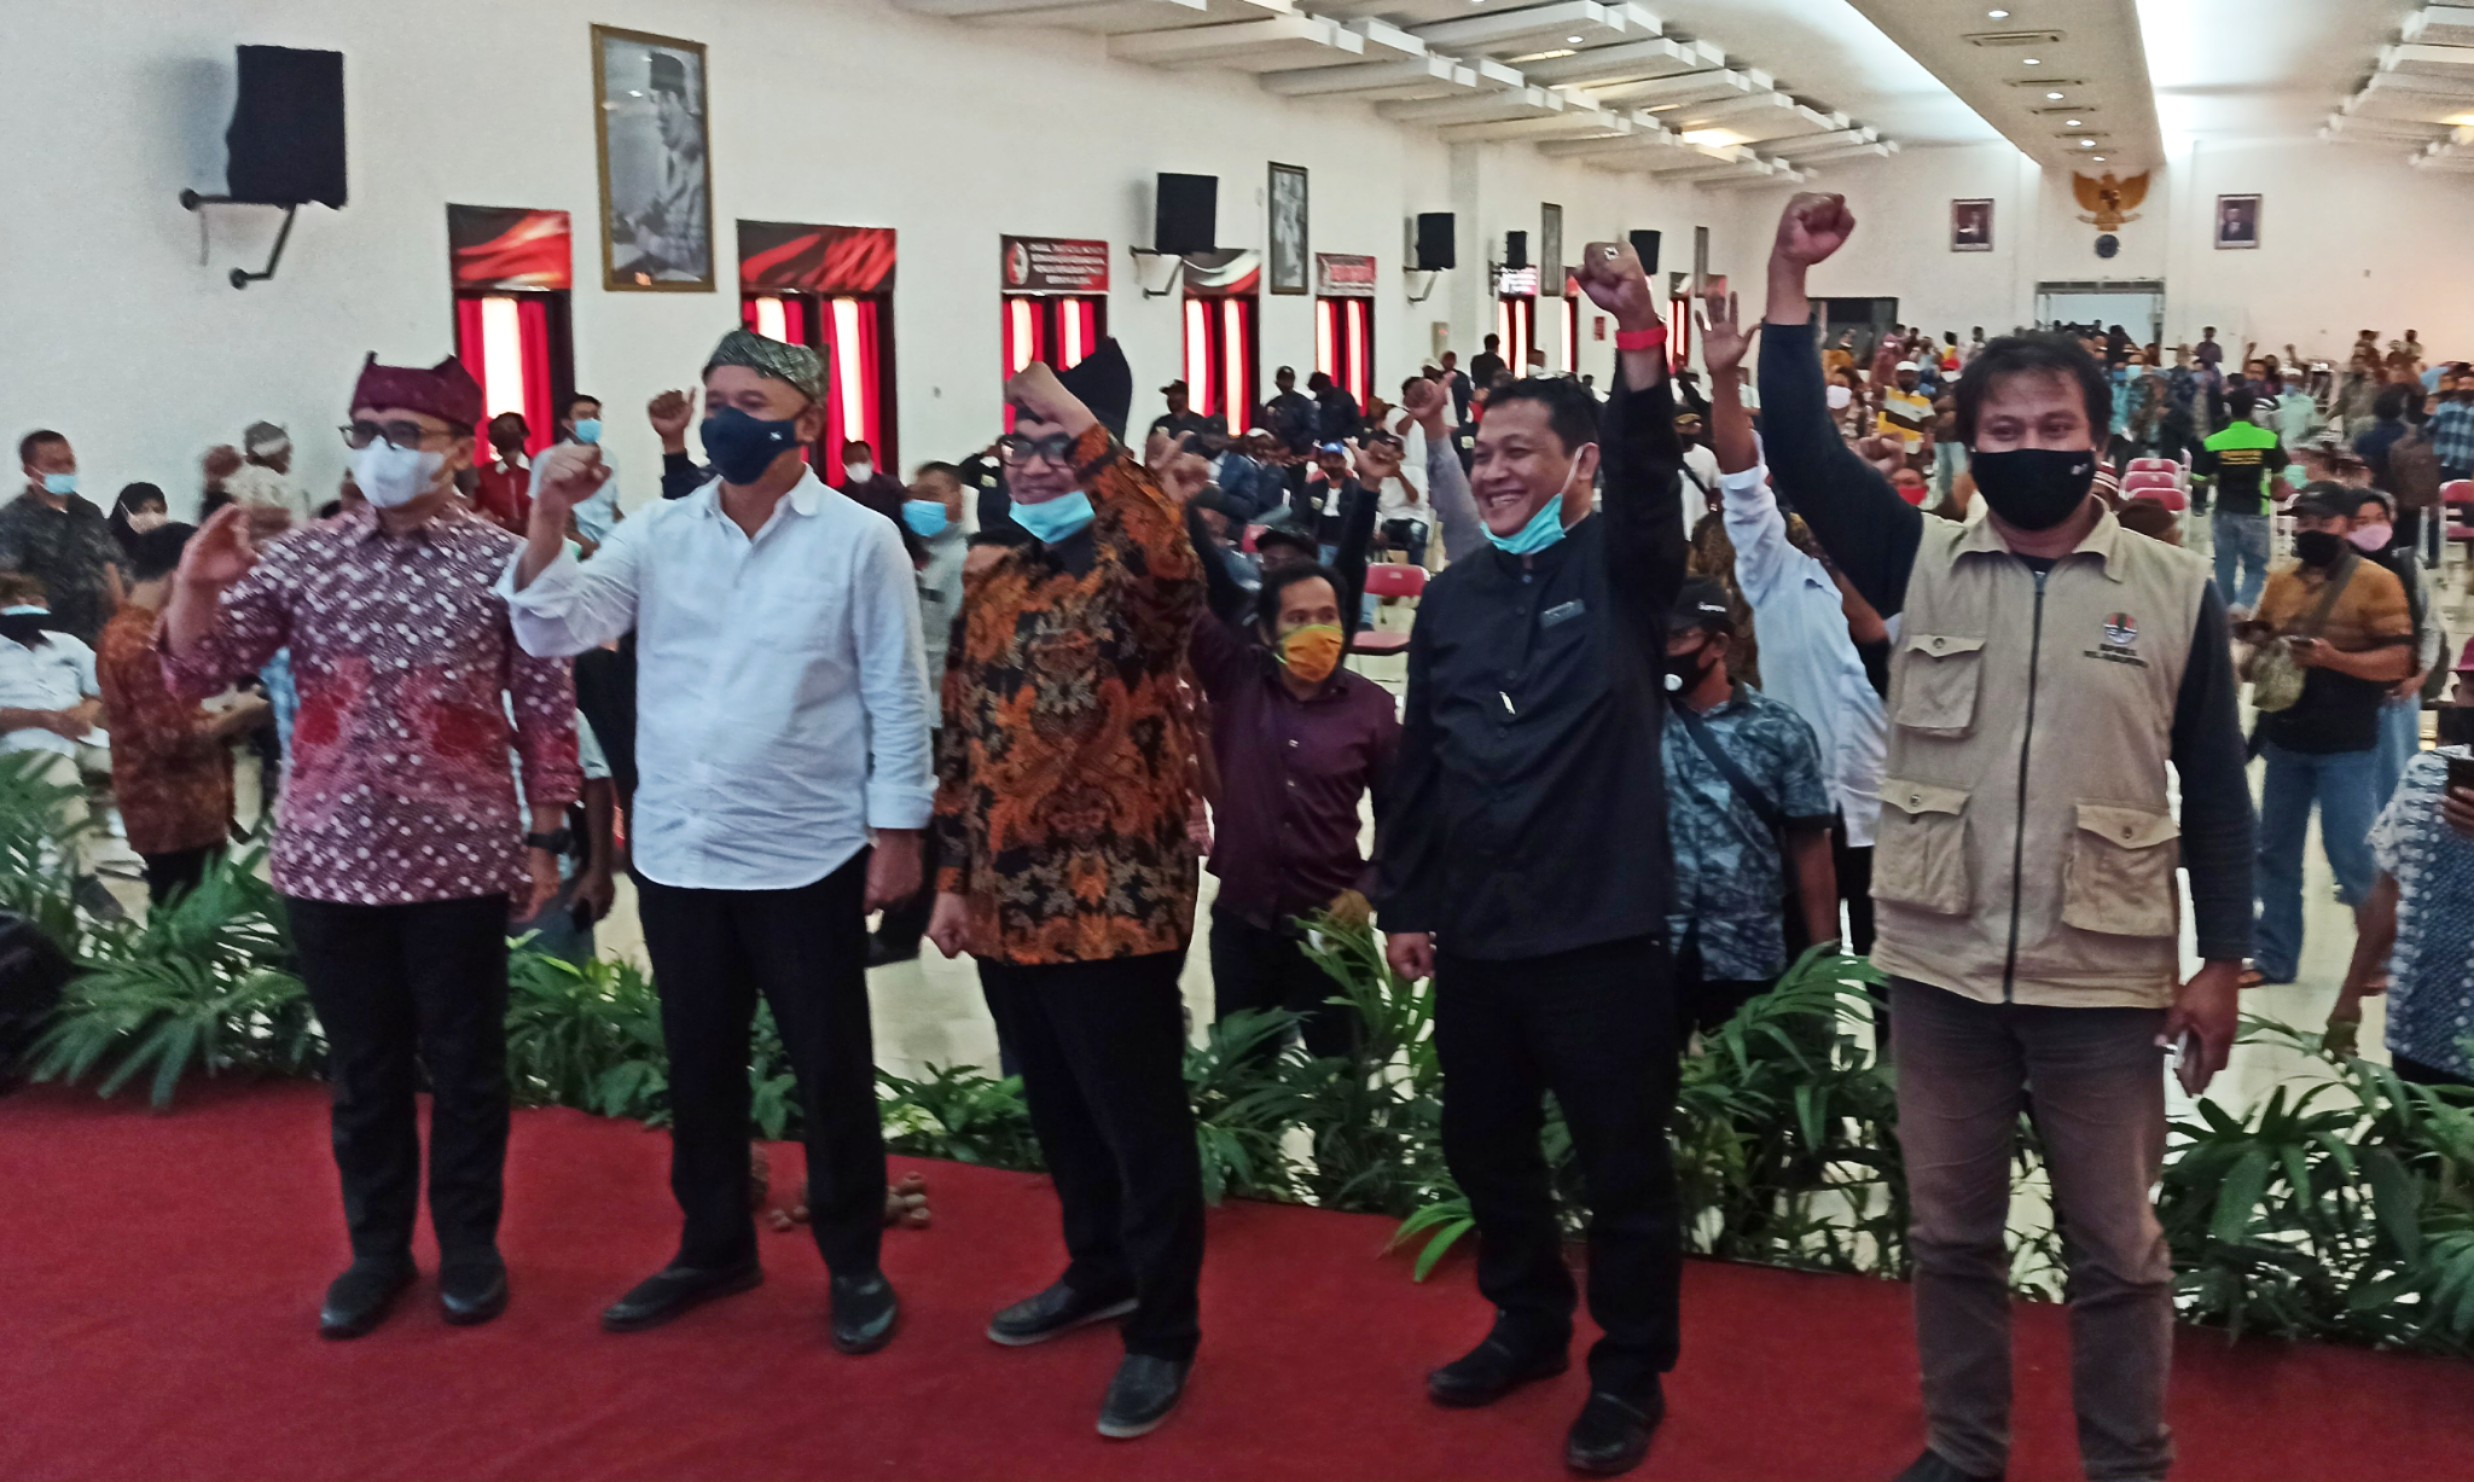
1152 260
190 200
1430 275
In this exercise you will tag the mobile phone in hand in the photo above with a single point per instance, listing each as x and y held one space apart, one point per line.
2185 1055
2461 772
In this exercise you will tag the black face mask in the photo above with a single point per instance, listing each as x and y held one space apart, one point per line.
2034 488
23 627
2318 547
1686 671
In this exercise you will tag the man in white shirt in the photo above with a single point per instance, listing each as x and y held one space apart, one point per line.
1407 519
49 706
782 720
264 478
598 516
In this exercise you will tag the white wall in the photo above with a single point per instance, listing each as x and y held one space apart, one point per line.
840 111
2350 238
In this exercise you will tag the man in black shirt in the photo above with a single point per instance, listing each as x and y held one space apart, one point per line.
1291 414
1181 418
1488 364
1526 869
1336 412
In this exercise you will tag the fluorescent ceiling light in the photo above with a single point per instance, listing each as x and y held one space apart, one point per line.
2031 61
1997 15
2071 123
1572 41
2053 97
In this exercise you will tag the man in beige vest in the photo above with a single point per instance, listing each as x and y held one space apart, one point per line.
2050 664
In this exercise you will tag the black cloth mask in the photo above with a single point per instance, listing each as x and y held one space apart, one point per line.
2034 488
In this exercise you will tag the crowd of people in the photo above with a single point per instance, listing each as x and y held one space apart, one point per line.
1639 764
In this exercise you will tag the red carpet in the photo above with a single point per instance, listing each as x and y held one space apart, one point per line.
163 1276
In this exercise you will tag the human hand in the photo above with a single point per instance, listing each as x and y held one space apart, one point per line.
226 549
1378 462
1425 401
1612 276
596 892
2410 687
1037 391
242 716
670 413
893 869
1411 954
2343 1035
1814 225
564 477
2310 653
1724 340
949 923
222 461
542 866
2457 810
2209 1008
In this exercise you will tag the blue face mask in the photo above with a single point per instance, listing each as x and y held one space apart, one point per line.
60 485
926 517
588 429
743 447
1056 519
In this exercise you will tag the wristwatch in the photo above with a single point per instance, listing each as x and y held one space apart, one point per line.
552 843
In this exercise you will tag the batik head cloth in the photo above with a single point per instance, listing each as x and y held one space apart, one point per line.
793 365
446 390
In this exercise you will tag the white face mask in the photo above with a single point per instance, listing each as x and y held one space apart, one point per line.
1841 398
859 470
152 519
388 476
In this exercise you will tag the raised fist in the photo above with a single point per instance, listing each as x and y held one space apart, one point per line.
1814 226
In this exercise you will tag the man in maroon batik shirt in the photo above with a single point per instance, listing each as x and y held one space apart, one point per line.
400 848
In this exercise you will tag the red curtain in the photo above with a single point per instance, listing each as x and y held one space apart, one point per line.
853 341
533 351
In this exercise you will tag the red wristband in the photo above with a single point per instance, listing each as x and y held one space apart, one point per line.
1640 339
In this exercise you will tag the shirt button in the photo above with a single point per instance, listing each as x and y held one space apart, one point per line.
1915 799
2126 833
1292 743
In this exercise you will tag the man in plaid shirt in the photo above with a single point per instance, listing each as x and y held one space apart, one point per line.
2452 429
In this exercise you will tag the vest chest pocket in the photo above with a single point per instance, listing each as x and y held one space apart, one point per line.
1938 683
1921 858
2120 875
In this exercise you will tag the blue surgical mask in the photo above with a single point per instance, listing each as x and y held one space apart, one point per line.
743 447
60 485
588 429
1055 519
926 517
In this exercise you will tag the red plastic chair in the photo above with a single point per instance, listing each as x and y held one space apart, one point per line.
2156 465
1388 579
2171 498
2149 481
2457 491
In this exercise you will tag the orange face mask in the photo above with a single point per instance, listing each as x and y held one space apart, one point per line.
1312 652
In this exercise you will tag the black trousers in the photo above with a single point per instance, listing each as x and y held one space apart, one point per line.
399 989
1595 1026
1101 1047
1854 866
1703 1002
1252 968
2421 1074
180 871
805 951
904 924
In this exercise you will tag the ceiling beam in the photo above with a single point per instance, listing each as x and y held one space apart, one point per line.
1690 87
1523 102
1577 123
1430 73
1508 30
1813 143
1283 37
1628 61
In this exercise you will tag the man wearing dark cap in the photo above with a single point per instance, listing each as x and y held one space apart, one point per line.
783 783
1065 781
1749 816
1291 414
1525 868
1181 418
401 847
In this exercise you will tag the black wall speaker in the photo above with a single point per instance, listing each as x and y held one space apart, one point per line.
1516 250
287 134
1646 244
1435 251
1188 218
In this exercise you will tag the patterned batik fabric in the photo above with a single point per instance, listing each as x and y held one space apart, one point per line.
1729 878
2431 969
397 788
1065 765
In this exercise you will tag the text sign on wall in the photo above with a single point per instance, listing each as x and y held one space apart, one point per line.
1055 265
1343 275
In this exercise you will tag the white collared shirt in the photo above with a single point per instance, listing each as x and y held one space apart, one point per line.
781 708
55 674
1808 658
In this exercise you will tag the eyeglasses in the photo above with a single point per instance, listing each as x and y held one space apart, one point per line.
1056 447
407 436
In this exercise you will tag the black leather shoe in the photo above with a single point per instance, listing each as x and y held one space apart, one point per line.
1142 1396
472 1289
677 1289
1612 1435
865 1312
1492 1370
1930 1467
1052 1314
360 1299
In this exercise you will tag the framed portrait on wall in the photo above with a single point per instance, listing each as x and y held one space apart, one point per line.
650 110
2237 222
1287 264
1971 226
1550 245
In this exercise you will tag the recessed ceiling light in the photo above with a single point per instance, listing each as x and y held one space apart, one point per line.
2073 123
1997 15
1572 41
2087 144
2053 97
2097 158
2031 61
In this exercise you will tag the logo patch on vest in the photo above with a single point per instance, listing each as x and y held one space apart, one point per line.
2120 643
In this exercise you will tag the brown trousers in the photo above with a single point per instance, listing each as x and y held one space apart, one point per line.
1965 1072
